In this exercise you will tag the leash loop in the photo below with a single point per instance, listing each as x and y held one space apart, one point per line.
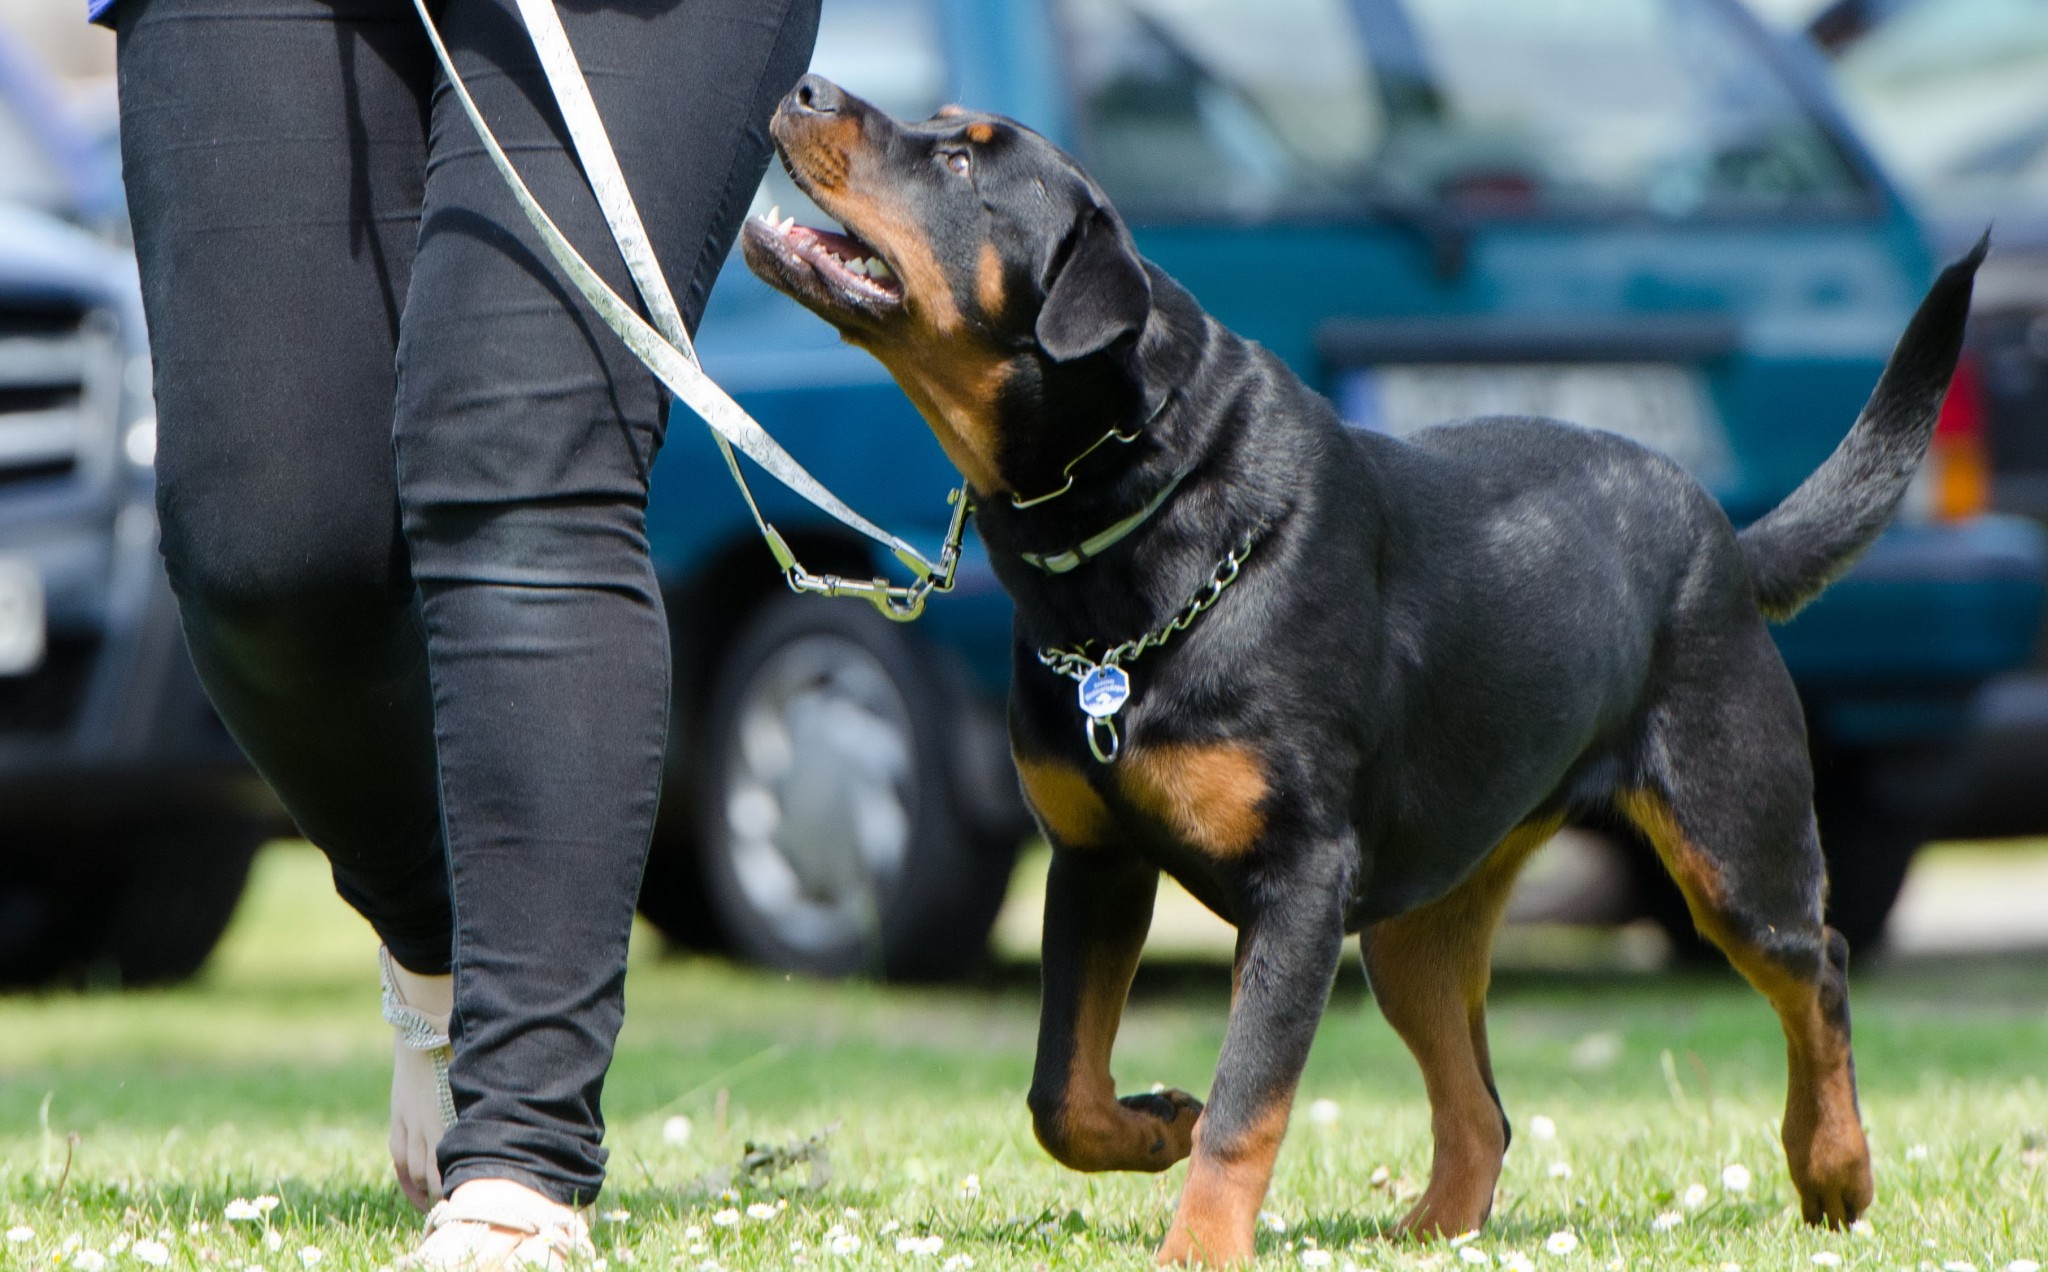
667 352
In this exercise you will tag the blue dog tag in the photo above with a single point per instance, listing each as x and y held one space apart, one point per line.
1104 691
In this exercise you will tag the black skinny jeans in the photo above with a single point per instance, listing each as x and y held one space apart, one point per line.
402 473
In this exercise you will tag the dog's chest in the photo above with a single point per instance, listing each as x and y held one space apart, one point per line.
1205 797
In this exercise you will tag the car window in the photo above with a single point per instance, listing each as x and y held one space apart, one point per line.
1287 107
28 173
1954 97
886 51
1232 107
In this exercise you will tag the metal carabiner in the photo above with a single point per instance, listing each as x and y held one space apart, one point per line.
1108 725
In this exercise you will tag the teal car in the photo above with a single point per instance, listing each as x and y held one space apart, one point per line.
1645 216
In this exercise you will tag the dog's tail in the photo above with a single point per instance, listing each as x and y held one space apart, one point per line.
1805 543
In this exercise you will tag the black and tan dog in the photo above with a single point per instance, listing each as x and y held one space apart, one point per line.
1420 657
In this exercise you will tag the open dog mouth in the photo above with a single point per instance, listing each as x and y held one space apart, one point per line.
848 270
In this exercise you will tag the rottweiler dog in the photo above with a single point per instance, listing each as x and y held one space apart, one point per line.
1331 681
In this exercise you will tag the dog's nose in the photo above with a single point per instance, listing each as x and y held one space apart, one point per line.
816 95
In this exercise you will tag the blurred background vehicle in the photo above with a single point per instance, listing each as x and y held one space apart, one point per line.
1643 215
1952 95
127 819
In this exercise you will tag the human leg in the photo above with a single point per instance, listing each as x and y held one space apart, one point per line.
274 153
524 435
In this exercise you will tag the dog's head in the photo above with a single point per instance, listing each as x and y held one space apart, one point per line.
978 263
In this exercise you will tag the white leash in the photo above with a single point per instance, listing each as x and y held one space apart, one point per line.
667 352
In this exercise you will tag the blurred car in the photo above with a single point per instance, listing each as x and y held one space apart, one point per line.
1643 215
127 819
1953 96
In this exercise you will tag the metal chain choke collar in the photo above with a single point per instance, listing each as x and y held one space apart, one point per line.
1104 685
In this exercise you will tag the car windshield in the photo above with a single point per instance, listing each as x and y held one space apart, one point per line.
1954 97
1252 108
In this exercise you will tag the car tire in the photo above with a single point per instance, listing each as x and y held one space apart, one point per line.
129 908
836 831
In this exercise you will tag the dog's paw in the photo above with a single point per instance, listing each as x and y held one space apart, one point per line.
1838 1197
1176 1113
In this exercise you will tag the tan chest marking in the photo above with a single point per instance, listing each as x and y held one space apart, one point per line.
1210 794
1069 809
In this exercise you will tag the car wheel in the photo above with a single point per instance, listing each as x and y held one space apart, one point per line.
132 908
832 822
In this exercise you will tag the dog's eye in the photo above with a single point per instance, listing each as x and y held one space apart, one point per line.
959 162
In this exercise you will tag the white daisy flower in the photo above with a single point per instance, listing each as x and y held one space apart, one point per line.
1560 1170
1917 1153
266 1203
119 1245
1380 1177
694 1232
310 1256
675 1132
970 1186
2023 1265
762 1210
1958 1265
89 1260
1316 1259
1464 1238
1516 1261
616 1216
273 1240
1827 1258
1731 1267
890 1227
1272 1222
1475 1256
1541 1127
1862 1228
727 1218
920 1245
957 1262
1324 1113
843 1243
1667 1221
21 1234
1695 1196
1561 1242
154 1253
1735 1177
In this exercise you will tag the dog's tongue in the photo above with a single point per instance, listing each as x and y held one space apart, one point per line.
844 246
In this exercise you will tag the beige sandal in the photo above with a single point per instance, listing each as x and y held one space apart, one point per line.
492 1224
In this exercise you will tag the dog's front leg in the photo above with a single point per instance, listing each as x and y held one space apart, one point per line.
1098 907
1287 949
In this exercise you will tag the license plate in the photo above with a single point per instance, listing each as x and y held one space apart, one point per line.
1664 407
21 617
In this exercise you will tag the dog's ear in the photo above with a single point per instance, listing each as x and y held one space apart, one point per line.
1096 291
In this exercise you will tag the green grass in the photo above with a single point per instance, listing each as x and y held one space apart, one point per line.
268 1077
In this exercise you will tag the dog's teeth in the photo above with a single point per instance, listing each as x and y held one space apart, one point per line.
774 217
788 225
877 267
857 267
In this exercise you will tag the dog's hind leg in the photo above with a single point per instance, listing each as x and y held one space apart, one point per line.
1098 907
1429 970
1732 820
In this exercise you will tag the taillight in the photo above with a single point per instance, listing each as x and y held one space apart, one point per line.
1958 472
